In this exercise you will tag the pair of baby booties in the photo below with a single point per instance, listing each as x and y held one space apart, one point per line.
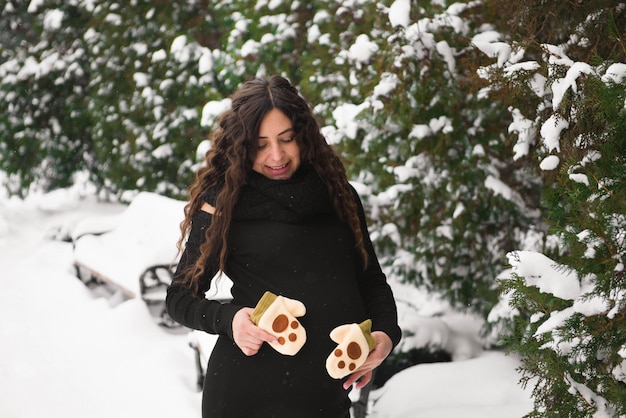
277 315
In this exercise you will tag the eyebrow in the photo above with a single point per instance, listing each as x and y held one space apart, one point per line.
279 134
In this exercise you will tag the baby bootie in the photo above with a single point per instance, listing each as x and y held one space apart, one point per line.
355 342
277 316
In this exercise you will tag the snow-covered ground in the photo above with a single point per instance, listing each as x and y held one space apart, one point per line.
65 352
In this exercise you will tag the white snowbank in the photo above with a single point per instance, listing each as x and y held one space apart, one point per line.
80 357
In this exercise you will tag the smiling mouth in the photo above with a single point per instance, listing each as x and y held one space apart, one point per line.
279 167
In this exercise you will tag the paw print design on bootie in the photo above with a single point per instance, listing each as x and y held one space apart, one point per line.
277 316
355 343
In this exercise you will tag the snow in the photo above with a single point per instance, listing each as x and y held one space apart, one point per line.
213 109
448 55
551 162
249 48
525 134
545 274
579 178
498 187
387 83
551 132
420 131
476 388
34 5
345 118
53 20
557 56
603 411
499 50
362 49
69 351
159 55
139 228
560 86
615 73
400 13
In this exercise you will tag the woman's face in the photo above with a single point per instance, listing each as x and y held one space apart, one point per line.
278 155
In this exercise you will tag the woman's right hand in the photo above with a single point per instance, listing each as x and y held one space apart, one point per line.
248 336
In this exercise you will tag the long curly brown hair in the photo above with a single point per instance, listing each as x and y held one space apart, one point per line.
234 145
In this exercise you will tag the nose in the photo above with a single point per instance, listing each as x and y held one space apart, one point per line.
276 151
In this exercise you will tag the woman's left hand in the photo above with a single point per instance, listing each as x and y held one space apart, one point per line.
363 374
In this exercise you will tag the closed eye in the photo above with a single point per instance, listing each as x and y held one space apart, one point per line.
263 140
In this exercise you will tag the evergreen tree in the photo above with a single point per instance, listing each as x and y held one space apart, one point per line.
445 196
149 83
572 342
43 86
116 89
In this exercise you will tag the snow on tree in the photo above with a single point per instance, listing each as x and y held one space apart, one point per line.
568 319
446 199
43 87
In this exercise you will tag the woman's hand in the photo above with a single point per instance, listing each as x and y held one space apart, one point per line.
363 374
248 336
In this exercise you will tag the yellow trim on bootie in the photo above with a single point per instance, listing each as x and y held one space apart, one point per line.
366 327
266 300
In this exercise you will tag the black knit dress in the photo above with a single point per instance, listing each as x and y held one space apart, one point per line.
285 238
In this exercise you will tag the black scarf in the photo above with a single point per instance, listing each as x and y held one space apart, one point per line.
299 198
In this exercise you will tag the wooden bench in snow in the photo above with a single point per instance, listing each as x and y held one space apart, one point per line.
133 252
